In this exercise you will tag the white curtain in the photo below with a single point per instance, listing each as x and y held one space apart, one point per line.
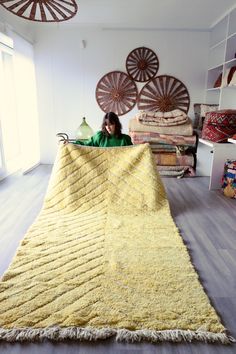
26 99
10 154
19 131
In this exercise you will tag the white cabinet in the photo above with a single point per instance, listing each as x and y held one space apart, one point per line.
211 158
222 56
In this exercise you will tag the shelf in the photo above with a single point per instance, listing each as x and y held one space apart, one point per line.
216 45
214 89
206 142
233 141
231 35
229 87
218 67
222 87
231 61
214 144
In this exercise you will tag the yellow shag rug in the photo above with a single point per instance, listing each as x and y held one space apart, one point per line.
104 258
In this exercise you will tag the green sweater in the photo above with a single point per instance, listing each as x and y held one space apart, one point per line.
100 139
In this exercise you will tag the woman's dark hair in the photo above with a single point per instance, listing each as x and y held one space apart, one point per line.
112 118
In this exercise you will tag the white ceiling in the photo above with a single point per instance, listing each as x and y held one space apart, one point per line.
139 14
152 14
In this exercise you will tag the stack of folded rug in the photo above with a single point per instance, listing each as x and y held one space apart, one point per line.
171 137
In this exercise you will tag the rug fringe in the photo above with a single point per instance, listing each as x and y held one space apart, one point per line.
122 335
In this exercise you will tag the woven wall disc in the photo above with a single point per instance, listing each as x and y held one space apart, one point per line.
116 92
164 93
42 10
142 64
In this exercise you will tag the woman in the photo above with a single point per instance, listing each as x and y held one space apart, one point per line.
110 135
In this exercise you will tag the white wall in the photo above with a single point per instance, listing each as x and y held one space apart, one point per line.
67 74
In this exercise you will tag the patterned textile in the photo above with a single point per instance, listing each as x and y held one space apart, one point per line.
181 149
200 110
104 258
228 77
177 171
163 148
231 75
171 148
164 119
178 174
183 129
225 78
219 125
173 159
150 137
229 179
218 81
233 79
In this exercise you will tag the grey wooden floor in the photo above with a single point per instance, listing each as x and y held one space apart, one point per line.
207 221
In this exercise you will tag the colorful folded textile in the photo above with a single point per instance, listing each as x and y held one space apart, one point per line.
164 119
176 170
173 159
172 168
164 148
233 79
178 174
229 179
151 137
169 148
229 78
185 129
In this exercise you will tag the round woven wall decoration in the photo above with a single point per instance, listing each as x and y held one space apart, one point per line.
116 92
164 93
142 64
42 10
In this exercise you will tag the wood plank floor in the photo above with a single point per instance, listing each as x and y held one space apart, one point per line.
207 222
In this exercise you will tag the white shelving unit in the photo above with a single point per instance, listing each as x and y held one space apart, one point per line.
222 56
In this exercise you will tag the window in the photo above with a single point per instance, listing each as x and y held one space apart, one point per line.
9 133
19 132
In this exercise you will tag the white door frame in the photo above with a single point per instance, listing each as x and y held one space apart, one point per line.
2 158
